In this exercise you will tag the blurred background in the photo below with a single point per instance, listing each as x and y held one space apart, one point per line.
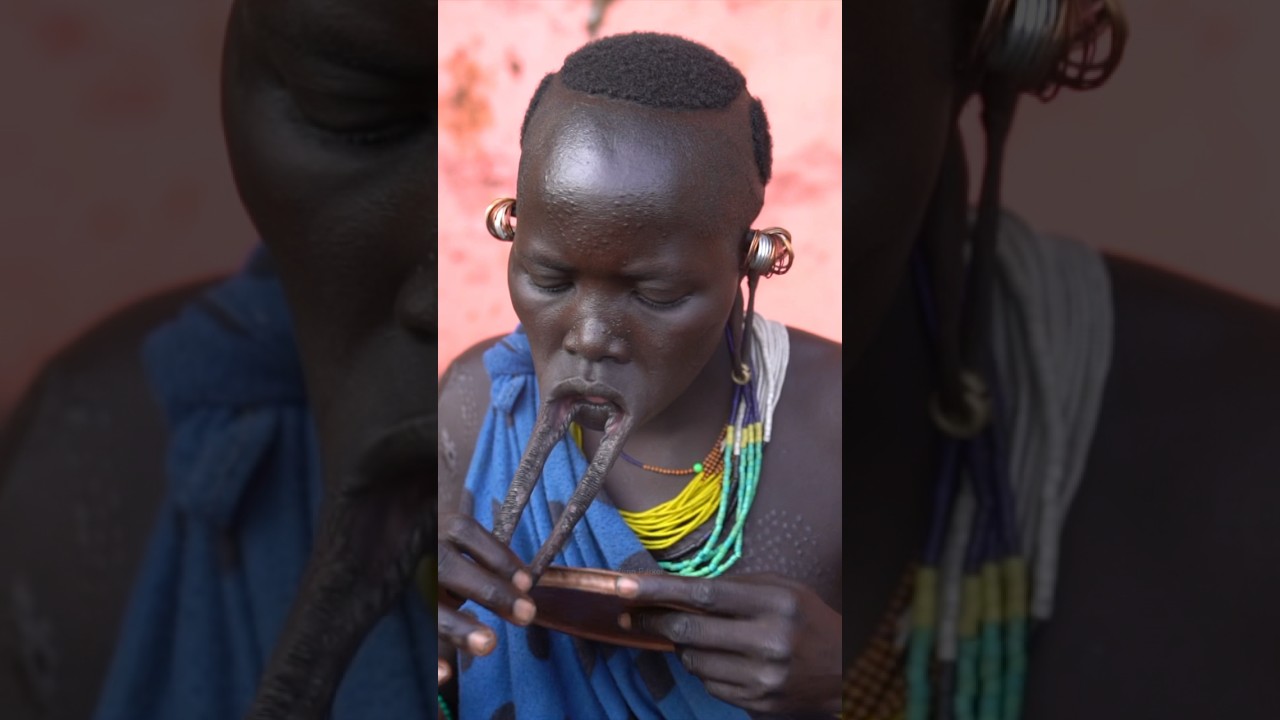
114 185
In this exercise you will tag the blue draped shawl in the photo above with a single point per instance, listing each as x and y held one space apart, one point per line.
235 528
536 673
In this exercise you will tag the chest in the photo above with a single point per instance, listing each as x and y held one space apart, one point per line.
794 528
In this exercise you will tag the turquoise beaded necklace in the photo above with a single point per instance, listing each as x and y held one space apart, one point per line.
743 452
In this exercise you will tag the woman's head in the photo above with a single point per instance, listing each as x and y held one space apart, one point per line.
643 165
328 110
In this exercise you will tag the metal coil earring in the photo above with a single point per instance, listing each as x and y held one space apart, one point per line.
769 252
497 219
1042 46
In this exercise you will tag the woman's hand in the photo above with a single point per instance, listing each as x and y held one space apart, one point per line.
767 644
473 565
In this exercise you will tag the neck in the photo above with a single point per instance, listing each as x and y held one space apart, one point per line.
679 436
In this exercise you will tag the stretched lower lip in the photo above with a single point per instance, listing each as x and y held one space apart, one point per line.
580 391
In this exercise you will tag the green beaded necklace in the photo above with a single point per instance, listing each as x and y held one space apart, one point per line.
742 450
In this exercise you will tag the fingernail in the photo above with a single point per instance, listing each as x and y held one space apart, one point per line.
627 587
523 611
481 642
522 580
442 672
624 621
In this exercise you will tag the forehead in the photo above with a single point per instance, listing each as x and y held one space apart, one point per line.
580 149
383 36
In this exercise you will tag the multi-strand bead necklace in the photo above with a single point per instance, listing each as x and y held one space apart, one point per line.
723 487
964 609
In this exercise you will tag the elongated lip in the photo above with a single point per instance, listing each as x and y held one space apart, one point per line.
403 450
583 390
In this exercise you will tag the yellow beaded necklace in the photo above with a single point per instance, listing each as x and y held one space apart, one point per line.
664 525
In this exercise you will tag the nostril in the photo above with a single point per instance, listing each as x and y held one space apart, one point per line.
418 304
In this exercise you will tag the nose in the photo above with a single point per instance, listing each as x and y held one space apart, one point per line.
417 304
595 338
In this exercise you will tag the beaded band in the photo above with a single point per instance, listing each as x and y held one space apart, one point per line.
444 707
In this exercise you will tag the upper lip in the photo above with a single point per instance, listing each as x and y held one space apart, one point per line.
407 447
581 387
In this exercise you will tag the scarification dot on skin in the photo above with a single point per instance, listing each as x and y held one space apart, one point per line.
784 543
448 450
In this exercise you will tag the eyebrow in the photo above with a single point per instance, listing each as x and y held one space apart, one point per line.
652 272
328 40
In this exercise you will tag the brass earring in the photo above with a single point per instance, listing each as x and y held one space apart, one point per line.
497 219
1044 45
769 252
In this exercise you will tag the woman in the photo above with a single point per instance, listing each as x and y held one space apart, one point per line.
643 169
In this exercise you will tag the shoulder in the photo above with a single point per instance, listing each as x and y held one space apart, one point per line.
462 402
815 376
1189 418
1191 361
81 476
1173 529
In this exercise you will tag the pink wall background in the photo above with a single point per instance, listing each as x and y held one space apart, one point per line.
113 181
114 184
492 56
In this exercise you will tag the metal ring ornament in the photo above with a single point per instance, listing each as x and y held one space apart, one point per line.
1028 48
974 414
770 252
1047 45
497 219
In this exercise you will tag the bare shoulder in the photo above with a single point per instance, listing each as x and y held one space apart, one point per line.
815 376
1194 386
1189 424
462 401
808 421
1171 546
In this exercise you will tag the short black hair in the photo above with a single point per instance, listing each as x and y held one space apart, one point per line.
660 71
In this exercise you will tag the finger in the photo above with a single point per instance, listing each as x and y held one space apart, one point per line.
464 632
723 597
465 580
752 679
443 672
734 695
708 632
469 537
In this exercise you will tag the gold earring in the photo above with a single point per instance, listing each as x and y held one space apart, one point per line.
497 219
769 252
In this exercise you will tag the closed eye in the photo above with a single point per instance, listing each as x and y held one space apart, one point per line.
550 287
360 116
661 304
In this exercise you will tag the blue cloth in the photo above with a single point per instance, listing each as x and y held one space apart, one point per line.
235 528
538 673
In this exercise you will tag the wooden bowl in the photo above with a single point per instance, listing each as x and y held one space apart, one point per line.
584 602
